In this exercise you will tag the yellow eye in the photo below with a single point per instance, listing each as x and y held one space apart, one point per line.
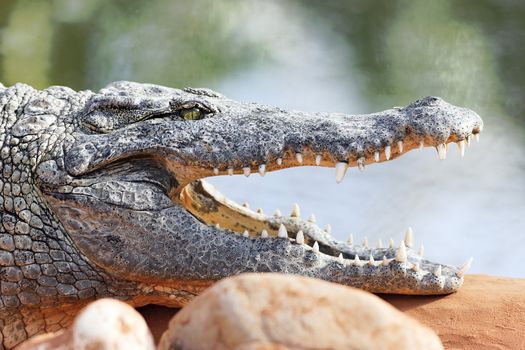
191 114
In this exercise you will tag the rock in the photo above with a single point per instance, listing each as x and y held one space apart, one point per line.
486 313
105 324
273 311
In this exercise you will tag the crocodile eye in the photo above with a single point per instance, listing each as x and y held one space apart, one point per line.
191 114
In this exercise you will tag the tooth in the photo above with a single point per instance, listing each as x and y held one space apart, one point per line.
401 255
376 156
216 171
264 234
409 237
299 238
385 261
400 146
296 211
466 266
315 247
340 171
437 271
262 169
391 243
379 243
361 163
277 213
282 232
421 144
388 151
350 239
371 260
260 211
421 250
476 136
461 147
469 139
246 233
357 261
442 151
217 225
365 242
246 205
312 219
230 171
279 161
340 258
318 159
299 158
415 267
328 229
246 171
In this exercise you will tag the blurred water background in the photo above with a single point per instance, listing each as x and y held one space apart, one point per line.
339 56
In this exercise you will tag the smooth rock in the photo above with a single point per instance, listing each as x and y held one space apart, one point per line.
274 311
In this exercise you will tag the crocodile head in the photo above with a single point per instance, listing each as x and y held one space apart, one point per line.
120 172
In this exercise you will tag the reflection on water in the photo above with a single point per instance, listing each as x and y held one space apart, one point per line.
330 56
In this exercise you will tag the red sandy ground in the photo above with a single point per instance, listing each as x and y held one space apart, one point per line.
487 313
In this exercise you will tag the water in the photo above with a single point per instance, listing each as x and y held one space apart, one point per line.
322 56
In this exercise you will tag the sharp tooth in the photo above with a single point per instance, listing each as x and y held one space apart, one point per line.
328 229
442 151
279 161
246 205
318 159
437 271
391 243
277 213
415 267
388 151
312 219
361 164
379 243
357 261
246 233
421 144
400 146
340 258
299 238
260 211
296 211
230 171
264 234
371 260
409 237
476 136
217 226
262 169
340 171
299 158
246 171
385 261
350 239
401 255
466 266
376 156
315 247
421 250
365 242
216 171
469 139
461 147
282 232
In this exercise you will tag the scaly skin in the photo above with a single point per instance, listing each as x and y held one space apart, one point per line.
101 196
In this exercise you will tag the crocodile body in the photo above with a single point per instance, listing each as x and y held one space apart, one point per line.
102 195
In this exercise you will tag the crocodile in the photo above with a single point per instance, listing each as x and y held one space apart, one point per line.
102 195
